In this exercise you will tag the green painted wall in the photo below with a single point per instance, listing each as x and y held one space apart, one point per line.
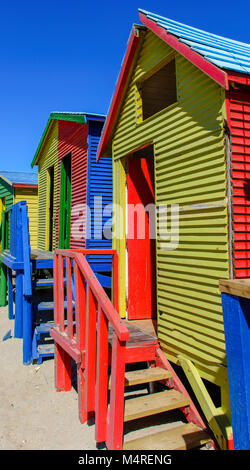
189 171
6 191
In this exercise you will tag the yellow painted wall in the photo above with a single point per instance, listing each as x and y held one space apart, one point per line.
48 157
189 171
30 195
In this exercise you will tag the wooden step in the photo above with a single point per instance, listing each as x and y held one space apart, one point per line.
144 376
43 282
183 437
44 306
43 328
154 403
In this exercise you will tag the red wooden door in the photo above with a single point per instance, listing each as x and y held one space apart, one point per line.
140 242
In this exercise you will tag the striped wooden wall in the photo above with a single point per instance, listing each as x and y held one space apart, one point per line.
239 119
6 191
30 195
73 138
48 157
99 184
190 171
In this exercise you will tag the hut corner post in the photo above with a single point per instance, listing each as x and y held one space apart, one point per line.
235 296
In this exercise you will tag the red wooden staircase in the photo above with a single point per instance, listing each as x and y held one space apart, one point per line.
105 348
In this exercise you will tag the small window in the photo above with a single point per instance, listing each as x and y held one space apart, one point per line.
158 91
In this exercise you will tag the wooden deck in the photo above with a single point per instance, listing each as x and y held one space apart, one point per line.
148 326
41 254
42 259
137 336
237 287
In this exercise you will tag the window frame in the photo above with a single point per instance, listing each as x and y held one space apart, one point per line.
139 84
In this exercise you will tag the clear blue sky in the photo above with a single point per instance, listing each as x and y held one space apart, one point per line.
66 56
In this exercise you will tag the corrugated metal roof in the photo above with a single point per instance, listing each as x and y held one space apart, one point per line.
68 114
222 52
15 177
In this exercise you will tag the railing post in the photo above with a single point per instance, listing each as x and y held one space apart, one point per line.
62 364
10 295
115 281
19 303
90 356
69 298
116 413
56 282
62 358
80 294
27 330
3 285
83 415
101 378
61 292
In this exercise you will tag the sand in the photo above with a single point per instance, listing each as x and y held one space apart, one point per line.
33 416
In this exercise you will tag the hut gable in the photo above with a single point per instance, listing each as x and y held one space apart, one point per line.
68 146
73 141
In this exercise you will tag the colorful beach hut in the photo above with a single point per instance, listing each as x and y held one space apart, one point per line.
178 135
73 189
21 186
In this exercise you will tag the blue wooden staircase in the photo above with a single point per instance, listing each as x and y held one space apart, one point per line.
34 305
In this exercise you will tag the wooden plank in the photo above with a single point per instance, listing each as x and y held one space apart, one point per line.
216 417
149 326
69 346
137 337
115 281
183 437
116 408
101 391
60 292
80 294
90 358
143 376
238 287
55 292
10 294
62 369
69 298
155 403
18 328
83 414
193 414
41 254
139 354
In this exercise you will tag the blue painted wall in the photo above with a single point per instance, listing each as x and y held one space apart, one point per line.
99 184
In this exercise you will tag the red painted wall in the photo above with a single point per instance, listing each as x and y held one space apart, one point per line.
73 137
239 121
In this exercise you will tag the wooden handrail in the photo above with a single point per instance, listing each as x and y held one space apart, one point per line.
103 301
89 342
